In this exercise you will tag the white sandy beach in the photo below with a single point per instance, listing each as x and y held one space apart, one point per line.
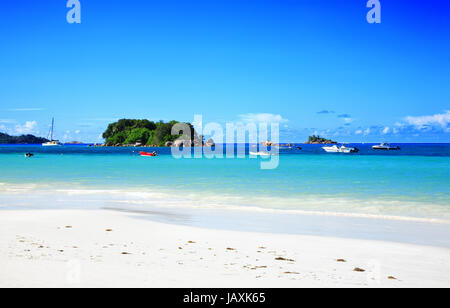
98 248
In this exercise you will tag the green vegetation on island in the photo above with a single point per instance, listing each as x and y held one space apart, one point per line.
319 140
143 132
24 139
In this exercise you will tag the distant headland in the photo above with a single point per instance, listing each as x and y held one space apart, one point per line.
23 139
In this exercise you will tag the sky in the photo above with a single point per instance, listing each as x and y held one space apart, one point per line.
314 66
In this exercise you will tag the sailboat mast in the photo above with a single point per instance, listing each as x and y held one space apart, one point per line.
53 123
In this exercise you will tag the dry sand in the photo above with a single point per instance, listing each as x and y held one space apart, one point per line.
83 248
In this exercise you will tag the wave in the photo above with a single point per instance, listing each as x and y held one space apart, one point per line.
164 198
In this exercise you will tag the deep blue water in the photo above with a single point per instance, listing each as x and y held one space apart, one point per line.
422 149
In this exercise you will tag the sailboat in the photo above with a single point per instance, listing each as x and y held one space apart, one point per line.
51 142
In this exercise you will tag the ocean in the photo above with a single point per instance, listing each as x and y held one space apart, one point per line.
412 184
414 181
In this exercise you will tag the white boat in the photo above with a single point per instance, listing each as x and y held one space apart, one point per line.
262 153
385 146
345 149
341 149
331 149
52 142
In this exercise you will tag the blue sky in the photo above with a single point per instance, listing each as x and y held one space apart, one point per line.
315 66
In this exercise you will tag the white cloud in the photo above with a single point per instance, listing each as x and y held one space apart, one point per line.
348 120
7 121
29 127
358 132
386 130
262 117
420 122
77 131
25 109
367 131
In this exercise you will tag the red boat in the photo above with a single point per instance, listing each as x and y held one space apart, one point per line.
148 154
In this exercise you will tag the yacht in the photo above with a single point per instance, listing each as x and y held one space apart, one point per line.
385 146
341 149
51 142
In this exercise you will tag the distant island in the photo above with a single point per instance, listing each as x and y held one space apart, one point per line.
75 142
132 132
24 139
318 140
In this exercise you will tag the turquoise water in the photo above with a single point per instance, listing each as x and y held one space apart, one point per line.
387 184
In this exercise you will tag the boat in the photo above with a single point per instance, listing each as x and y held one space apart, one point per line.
341 149
29 154
146 154
345 149
51 142
385 146
260 153
332 149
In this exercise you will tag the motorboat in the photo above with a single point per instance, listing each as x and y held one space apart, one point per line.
345 149
260 153
29 154
341 149
385 146
146 154
332 149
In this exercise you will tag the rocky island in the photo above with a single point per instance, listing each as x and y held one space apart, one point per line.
319 140
132 132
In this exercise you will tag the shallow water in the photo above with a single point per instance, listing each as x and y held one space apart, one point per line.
403 183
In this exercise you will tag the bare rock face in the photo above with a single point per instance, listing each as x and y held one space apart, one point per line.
210 143
268 143
181 143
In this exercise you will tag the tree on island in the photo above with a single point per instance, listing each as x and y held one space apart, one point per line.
144 132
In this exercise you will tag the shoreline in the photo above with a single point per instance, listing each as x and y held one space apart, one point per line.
198 200
225 213
90 248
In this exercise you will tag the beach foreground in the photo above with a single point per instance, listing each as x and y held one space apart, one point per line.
99 248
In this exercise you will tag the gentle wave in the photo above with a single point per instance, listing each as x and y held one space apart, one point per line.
307 205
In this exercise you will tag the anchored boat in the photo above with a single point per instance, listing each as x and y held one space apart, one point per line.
51 142
260 153
148 153
341 149
385 146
